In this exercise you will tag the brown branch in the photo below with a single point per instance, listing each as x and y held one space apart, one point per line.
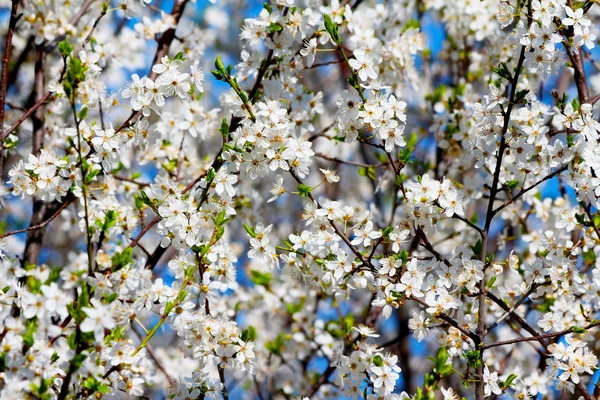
42 101
586 208
541 337
40 225
490 213
335 227
427 245
532 289
42 210
91 32
85 6
324 64
450 321
469 223
527 189
135 241
348 162
321 133
514 316
4 77
166 39
16 67
222 378
125 179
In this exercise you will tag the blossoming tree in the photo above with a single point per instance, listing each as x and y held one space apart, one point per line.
299 200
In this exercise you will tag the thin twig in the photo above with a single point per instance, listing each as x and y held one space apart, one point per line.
40 225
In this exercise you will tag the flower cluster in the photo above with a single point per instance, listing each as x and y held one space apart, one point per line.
349 176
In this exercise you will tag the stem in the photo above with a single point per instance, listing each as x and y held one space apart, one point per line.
538 337
83 193
490 215
335 227
358 88
163 318
222 378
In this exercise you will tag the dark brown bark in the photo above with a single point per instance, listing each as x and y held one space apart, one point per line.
4 77
41 209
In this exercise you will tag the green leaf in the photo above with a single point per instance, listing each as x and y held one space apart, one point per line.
442 368
65 48
502 71
71 341
221 218
83 113
224 128
377 360
219 66
219 234
304 190
411 24
404 256
332 28
477 248
509 380
275 27
31 327
442 357
521 95
146 200
294 308
139 202
276 345
210 174
575 103
249 230
589 257
54 275
387 231
78 360
218 75
576 329
405 154
353 82
512 184
109 298
472 357
429 380
249 334
367 172
120 260
260 278
110 220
